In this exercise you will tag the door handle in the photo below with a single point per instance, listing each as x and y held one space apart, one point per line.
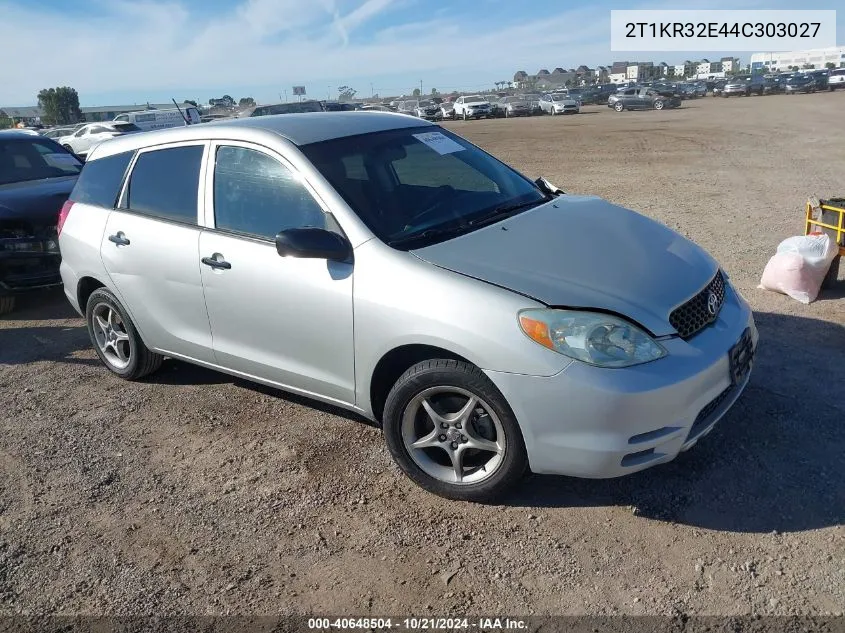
119 238
221 263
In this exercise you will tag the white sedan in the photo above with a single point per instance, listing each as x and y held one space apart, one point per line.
88 136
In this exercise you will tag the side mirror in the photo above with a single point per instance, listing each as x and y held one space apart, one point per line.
547 187
313 243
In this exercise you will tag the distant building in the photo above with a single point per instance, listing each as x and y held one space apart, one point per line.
816 58
730 64
33 114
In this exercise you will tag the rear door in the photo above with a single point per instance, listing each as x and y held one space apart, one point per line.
151 250
282 319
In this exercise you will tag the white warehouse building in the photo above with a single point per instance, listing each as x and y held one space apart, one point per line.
817 58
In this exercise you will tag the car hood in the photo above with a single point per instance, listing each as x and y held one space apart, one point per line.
476 103
584 252
35 201
565 102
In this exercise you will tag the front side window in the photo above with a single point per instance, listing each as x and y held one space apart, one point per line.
411 186
256 195
164 183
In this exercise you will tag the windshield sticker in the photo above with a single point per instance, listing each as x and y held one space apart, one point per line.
60 160
440 143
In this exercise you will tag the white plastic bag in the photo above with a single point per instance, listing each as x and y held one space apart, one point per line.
799 266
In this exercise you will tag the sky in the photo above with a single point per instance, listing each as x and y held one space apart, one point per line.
116 52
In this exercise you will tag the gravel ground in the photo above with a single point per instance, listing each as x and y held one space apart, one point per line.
195 493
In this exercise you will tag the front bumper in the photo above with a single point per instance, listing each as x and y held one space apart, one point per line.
734 91
598 423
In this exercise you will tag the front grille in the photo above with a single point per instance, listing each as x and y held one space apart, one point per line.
697 313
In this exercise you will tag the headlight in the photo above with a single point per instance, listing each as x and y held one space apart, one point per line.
591 337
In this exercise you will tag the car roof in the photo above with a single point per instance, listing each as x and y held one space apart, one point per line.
17 135
300 129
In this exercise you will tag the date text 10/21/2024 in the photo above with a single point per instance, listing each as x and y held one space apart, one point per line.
481 624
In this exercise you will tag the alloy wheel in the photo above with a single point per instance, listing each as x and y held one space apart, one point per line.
453 435
111 336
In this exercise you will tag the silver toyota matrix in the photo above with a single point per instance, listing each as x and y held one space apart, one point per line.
491 324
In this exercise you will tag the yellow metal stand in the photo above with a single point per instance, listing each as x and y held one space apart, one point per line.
835 228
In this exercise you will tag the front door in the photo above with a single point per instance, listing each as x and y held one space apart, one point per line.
151 251
281 319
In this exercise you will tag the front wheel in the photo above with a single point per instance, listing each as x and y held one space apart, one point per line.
465 115
453 433
115 338
618 106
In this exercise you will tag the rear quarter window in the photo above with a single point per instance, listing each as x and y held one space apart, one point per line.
100 181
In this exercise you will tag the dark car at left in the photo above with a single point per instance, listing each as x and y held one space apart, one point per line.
36 178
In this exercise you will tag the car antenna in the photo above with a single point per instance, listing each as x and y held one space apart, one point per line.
184 118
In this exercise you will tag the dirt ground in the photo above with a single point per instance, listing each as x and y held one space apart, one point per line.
195 493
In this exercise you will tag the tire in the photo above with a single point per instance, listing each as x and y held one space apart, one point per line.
7 304
658 105
454 382
619 106
552 112
465 115
507 116
140 361
68 148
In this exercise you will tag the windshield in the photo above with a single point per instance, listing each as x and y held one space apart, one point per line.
426 104
531 97
23 160
406 185
559 97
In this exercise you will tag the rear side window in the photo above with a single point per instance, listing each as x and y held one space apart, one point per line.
164 183
100 180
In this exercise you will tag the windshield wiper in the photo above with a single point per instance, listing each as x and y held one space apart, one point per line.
505 211
428 234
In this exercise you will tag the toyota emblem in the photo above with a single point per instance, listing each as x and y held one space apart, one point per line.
712 304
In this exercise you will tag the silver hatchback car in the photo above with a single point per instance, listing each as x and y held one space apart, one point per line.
489 323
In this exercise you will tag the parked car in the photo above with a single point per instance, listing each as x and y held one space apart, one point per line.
688 91
57 132
447 110
428 110
743 85
772 86
161 119
642 99
36 177
800 83
472 389
821 77
294 107
557 103
515 106
836 79
533 101
90 135
472 107
718 87
340 106
495 105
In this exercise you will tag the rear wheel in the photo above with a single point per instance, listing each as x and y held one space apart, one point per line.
658 105
7 304
452 432
115 338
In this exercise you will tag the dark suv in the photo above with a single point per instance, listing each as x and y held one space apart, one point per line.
744 85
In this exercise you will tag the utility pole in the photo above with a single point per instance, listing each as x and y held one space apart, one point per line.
421 87
286 95
372 90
